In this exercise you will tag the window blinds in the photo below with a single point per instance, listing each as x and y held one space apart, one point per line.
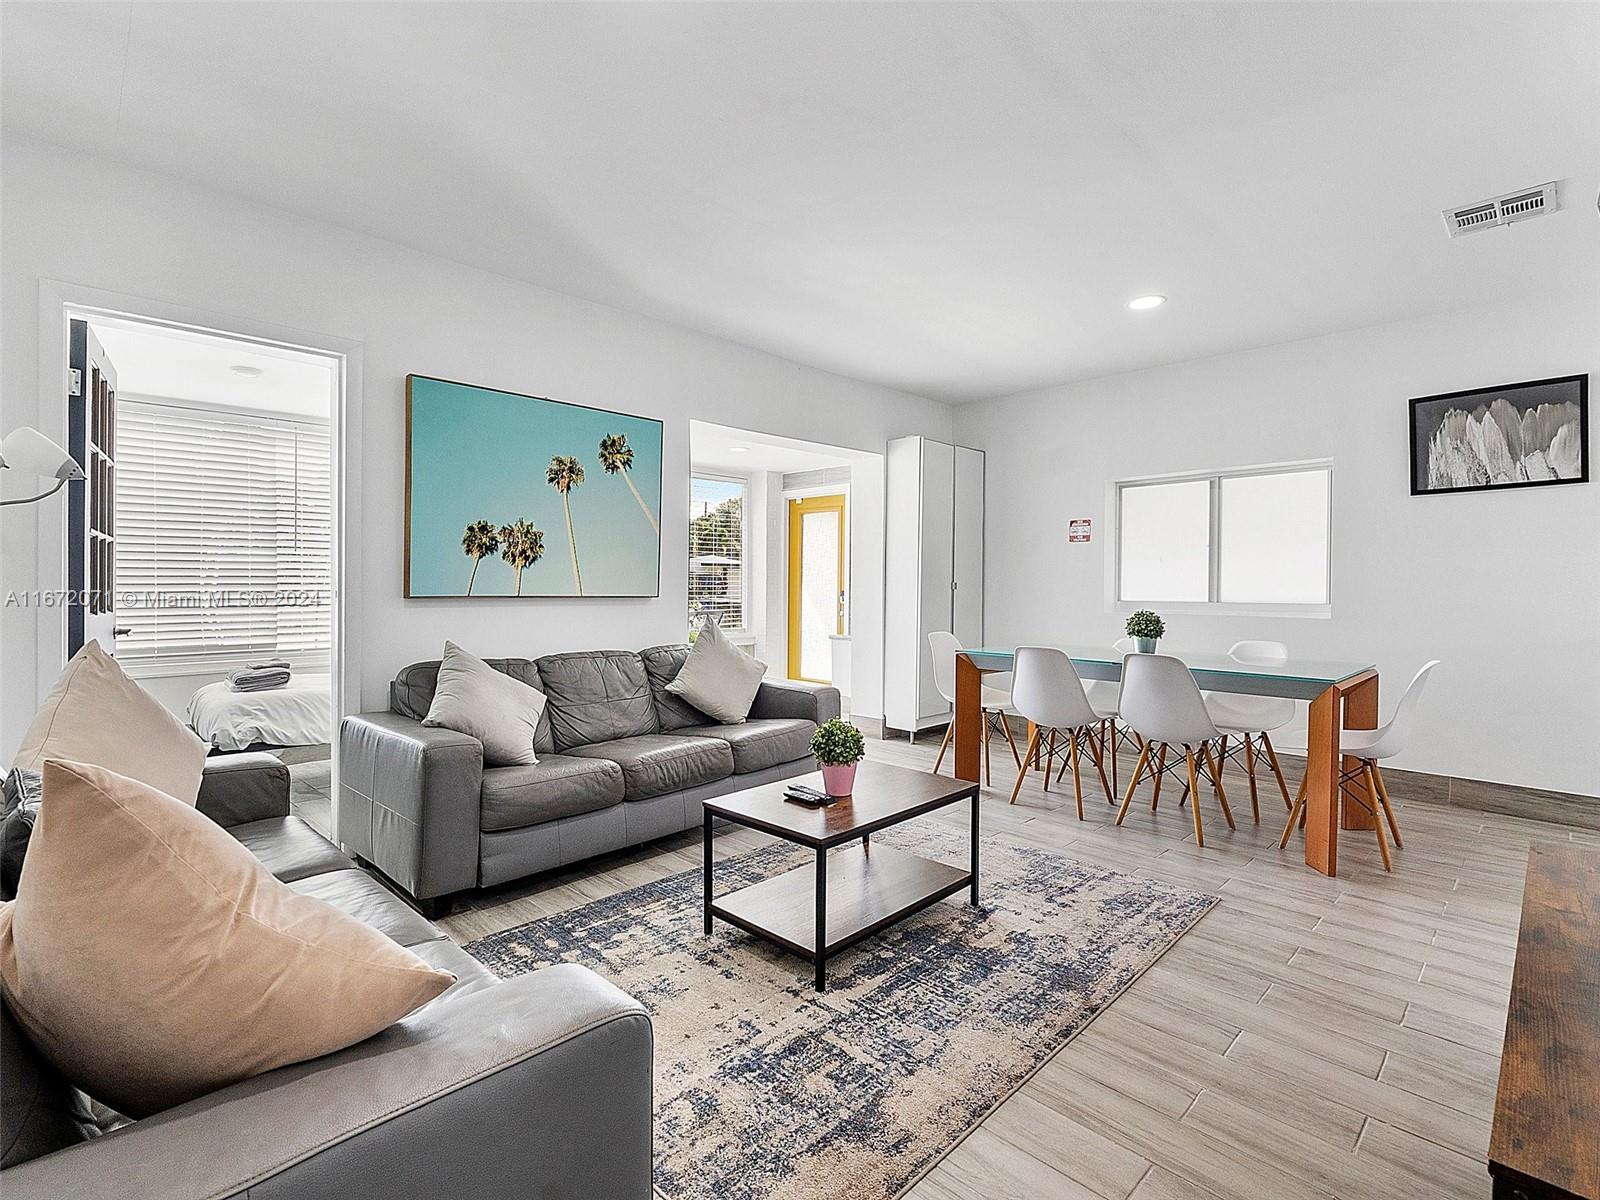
224 534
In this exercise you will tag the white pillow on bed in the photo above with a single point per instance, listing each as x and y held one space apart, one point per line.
471 697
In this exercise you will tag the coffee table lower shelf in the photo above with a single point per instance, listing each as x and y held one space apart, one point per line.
865 890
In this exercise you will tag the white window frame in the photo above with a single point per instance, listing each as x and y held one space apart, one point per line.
745 631
1211 606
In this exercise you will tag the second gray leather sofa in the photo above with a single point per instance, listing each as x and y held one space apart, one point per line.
621 761
539 1085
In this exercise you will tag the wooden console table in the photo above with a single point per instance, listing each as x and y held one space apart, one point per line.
1546 1139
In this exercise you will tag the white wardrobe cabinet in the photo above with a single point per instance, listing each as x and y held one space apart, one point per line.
933 578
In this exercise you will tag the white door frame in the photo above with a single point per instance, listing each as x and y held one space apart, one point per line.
55 299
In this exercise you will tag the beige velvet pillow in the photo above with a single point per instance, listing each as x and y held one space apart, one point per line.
473 698
152 959
96 714
718 678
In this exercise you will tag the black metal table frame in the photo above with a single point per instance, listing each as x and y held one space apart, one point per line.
822 951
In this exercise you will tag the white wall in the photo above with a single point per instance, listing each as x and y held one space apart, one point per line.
1503 587
89 222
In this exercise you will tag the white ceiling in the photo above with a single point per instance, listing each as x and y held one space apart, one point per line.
179 364
955 199
743 451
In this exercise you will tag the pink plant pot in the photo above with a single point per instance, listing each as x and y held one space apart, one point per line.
839 780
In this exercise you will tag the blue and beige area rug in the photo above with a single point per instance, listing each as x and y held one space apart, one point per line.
766 1090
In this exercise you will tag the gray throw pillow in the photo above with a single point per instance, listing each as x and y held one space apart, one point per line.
718 678
471 697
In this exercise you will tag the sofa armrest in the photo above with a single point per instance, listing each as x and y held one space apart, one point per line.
235 788
408 801
536 1086
812 701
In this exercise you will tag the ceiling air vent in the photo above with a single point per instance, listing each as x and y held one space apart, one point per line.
1501 210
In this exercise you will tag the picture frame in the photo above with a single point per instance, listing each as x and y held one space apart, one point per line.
1518 435
510 495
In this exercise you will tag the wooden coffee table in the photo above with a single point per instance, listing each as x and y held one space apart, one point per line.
857 893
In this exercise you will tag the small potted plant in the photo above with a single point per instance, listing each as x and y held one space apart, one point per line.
1144 627
838 747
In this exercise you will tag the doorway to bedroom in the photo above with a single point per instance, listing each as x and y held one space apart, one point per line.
200 547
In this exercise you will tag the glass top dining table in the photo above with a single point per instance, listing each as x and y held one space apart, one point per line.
1294 678
1343 694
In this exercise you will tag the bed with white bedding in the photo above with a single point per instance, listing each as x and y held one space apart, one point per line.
298 714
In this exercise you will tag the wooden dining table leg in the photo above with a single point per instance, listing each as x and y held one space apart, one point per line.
1352 704
968 719
1322 783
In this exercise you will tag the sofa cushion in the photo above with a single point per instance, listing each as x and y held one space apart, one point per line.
657 763
661 667
289 848
558 785
357 894
758 744
596 696
411 692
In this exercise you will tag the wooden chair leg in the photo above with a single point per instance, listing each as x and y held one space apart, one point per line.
1216 782
988 736
949 732
1161 770
1194 789
1006 725
1388 809
1272 758
1098 753
1250 770
1377 822
1077 781
1022 771
1295 810
1144 757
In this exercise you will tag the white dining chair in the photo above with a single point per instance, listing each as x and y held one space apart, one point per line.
1050 695
1105 696
996 698
1162 703
1249 721
1369 747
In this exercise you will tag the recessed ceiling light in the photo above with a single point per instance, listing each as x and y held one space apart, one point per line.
1140 303
738 449
247 370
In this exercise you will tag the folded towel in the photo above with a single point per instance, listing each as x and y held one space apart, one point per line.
259 678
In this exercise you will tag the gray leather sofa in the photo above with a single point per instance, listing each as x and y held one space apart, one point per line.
537 1086
621 761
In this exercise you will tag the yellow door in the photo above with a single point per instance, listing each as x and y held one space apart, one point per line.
816 585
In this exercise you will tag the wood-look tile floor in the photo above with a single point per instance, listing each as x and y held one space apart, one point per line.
1311 1037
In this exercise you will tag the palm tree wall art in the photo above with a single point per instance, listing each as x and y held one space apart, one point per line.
564 474
491 475
480 540
522 545
616 456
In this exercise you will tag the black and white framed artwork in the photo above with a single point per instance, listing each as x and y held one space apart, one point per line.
1519 435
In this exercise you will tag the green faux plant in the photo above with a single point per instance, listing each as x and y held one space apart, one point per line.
837 743
1145 624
